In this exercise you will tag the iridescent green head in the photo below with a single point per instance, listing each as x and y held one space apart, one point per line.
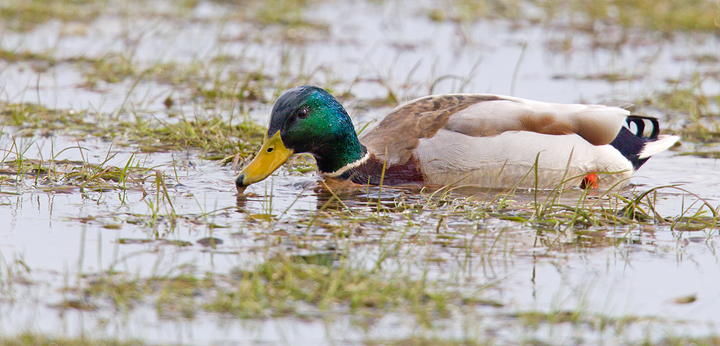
305 119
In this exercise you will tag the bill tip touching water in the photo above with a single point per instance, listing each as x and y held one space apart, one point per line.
482 140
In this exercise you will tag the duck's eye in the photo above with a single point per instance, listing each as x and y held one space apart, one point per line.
302 113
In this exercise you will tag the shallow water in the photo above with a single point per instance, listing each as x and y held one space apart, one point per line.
64 234
640 277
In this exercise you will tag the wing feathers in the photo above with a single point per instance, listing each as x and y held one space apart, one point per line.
481 115
597 124
399 133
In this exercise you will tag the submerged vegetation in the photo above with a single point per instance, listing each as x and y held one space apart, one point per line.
279 286
212 135
24 15
31 339
665 16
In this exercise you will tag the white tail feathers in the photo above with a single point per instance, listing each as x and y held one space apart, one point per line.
664 142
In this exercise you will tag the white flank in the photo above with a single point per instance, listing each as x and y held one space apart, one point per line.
347 167
508 159
663 143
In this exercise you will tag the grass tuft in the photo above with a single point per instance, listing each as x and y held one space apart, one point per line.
33 339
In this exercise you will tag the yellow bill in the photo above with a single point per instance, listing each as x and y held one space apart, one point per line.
271 156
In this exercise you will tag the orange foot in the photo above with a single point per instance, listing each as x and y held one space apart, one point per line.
589 182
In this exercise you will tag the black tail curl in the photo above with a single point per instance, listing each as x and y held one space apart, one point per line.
631 143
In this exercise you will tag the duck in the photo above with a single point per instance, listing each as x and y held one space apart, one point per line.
482 140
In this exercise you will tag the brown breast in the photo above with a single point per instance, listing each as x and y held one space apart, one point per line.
371 172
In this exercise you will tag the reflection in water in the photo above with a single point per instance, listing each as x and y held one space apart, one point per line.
241 200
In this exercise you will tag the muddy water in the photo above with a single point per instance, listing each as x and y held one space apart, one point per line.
60 234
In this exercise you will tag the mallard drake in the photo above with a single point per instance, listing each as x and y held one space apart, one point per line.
469 139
